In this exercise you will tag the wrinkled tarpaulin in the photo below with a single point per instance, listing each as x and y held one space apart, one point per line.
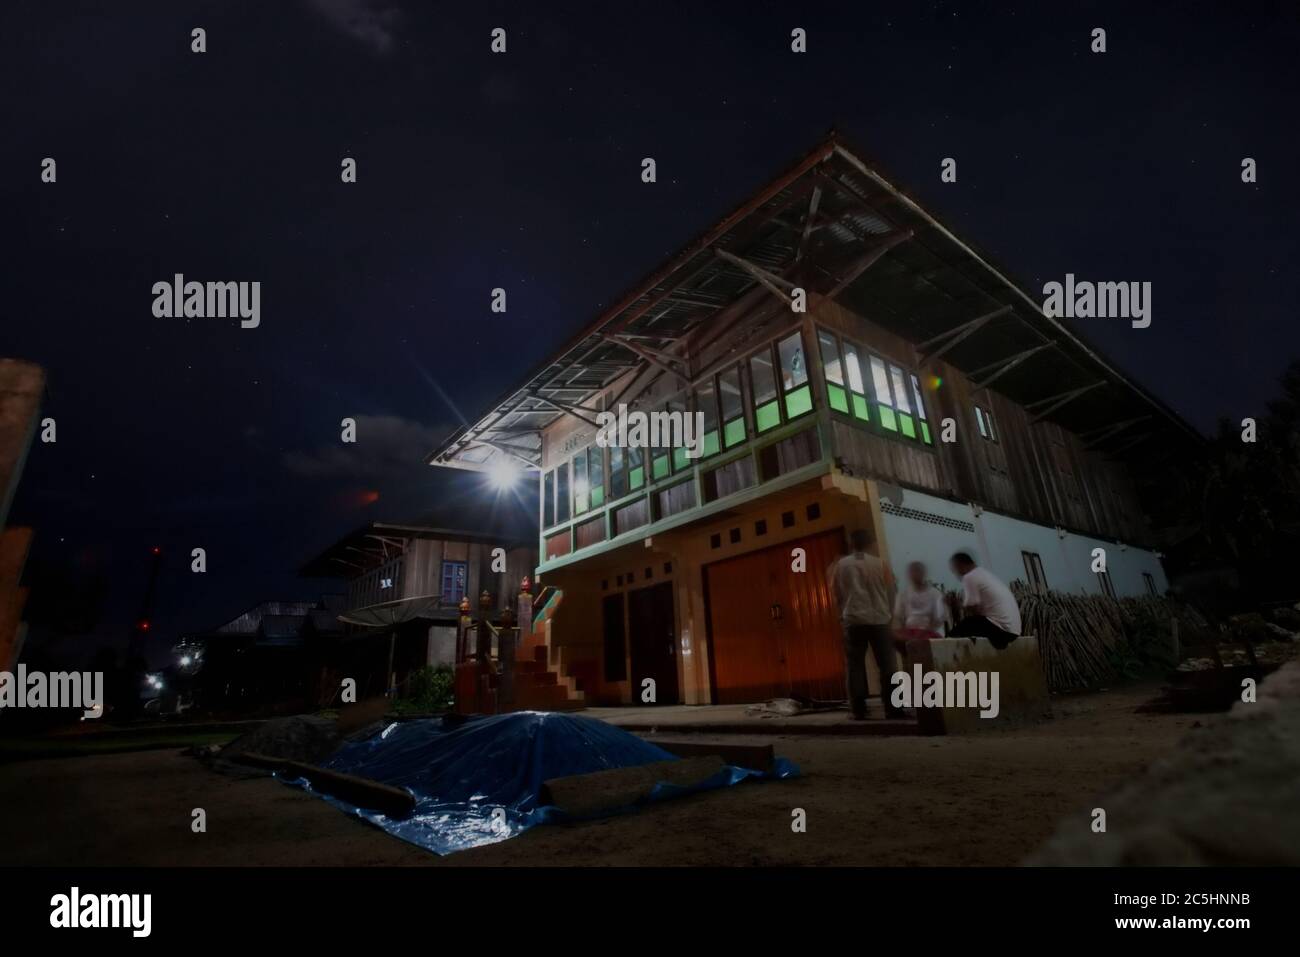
460 775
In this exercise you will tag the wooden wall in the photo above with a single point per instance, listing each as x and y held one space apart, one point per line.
1039 472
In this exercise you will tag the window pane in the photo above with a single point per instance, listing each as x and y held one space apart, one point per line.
881 381
596 464
830 358
617 473
988 420
854 370
916 394
635 468
562 493
901 401
979 420
580 482
548 499
794 369
733 405
761 378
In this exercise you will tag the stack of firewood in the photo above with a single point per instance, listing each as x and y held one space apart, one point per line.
1079 635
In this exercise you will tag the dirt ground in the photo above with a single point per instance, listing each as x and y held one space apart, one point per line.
986 799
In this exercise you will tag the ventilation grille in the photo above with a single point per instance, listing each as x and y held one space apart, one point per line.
916 515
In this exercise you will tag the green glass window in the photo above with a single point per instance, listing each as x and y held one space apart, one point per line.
706 403
596 475
836 395
678 410
884 401
762 383
617 472
901 401
733 407
635 469
857 387
794 376
920 411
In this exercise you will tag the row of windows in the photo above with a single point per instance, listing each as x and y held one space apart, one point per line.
749 398
892 402
1038 580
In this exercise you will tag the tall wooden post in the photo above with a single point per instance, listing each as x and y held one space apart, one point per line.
506 638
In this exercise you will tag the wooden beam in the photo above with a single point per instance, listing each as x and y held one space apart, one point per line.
1003 366
769 279
652 356
1110 431
808 222
957 335
1055 402
868 260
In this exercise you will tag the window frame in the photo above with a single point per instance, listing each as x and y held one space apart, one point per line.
450 565
875 373
1034 574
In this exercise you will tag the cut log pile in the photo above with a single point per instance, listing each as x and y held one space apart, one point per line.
1082 637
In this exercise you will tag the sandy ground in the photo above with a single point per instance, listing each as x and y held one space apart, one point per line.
987 799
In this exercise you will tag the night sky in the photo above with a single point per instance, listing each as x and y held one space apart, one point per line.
522 171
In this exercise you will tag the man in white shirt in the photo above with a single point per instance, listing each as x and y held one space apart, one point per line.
919 611
990 610
863 588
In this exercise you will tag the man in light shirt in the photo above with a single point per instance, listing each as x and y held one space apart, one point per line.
919 611
863 588
990 609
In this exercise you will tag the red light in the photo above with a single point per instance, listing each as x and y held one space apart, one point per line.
144 626
157 550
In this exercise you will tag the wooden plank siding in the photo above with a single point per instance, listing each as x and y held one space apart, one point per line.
1039 472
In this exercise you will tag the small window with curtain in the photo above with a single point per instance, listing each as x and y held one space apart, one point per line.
794 376
762 383
984 420
454 577
732 401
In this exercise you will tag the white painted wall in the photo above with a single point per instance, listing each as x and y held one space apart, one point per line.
997 543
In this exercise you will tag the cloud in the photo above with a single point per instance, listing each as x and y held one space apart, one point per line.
370 22
387 446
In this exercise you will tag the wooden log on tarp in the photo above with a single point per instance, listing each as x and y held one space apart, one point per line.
584 795
363 792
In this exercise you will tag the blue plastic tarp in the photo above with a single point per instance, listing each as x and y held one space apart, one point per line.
481 782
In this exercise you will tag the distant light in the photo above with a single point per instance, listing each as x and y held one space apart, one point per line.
503 473
186 661
144 625
157 550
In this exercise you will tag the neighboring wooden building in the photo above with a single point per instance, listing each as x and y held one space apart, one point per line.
22 385
816 422
404 588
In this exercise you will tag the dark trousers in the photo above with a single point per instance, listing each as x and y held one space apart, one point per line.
879 638
977 626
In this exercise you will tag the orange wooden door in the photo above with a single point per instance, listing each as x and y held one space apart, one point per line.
744 658
807 621
774 632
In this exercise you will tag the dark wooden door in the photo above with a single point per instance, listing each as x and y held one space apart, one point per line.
774 632
652 642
